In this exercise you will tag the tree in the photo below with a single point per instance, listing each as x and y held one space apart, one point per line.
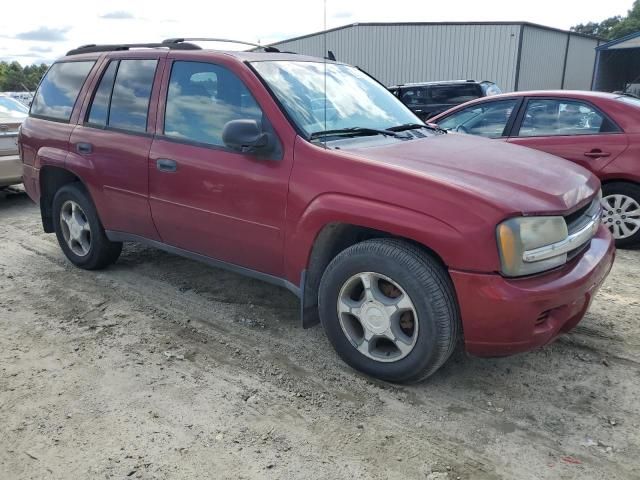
13 77
613 27
628 25
602 29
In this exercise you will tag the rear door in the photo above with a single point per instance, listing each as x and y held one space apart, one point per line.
571 129
112 141
205 197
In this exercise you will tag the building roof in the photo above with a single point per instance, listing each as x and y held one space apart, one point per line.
413 24
630 41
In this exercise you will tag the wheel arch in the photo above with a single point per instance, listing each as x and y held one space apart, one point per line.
330 241
52 179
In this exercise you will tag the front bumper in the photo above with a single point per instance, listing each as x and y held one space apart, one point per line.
10 170
503 316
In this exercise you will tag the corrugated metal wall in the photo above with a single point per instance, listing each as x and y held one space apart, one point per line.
404 53
415 53
581 58
542 59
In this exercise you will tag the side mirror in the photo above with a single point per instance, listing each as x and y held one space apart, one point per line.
246 137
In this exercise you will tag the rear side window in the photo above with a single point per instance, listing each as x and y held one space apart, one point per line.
122 97
98 115
59 90
202 98
546 117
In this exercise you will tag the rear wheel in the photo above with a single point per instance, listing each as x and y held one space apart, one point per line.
621 212
79 231
389 310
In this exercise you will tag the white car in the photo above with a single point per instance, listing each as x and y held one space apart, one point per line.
12 113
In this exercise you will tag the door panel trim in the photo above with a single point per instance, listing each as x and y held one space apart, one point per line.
217 214
115 236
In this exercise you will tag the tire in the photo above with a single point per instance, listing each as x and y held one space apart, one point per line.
399 269
628 196
82 236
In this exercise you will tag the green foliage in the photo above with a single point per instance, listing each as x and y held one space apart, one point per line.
14 77
613 27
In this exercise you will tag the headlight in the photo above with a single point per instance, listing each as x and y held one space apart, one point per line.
522 234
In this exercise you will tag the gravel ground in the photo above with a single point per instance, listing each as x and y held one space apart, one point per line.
160 367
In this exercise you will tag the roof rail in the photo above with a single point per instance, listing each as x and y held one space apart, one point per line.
93 48
180 41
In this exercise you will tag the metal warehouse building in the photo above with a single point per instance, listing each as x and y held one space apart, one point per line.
517 56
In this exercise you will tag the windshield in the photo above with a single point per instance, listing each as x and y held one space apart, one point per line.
10 108
353 99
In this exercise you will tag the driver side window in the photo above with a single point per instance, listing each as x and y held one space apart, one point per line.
202 98
487 119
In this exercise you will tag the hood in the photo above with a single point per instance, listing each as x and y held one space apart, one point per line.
517 179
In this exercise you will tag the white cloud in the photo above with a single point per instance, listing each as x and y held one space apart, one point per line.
255 20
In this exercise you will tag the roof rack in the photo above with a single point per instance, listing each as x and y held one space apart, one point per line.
181 41
93 48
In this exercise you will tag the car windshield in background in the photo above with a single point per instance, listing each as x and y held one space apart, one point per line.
353 99
10 108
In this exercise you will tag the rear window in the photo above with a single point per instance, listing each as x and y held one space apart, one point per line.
440 94
455 93
59 90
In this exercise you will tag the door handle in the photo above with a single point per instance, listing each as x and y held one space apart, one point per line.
84 148
166 165
597 153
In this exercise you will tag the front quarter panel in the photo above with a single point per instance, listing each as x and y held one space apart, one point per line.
329 187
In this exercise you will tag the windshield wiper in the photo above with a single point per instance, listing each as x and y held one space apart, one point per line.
355 132
415 126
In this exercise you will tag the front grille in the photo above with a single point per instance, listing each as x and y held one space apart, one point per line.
578 220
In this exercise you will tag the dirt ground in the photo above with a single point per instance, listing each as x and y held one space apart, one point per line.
160 367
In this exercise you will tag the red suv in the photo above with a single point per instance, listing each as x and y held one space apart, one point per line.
399 238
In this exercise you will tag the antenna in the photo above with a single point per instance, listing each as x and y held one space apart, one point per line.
324 61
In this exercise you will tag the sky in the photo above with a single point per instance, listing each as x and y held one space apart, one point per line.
43 30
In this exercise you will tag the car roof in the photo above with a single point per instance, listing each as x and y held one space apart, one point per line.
443 82
586 94
243 56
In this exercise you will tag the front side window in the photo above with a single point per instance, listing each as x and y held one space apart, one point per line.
353 99
547 117
487 119
202 98
59 90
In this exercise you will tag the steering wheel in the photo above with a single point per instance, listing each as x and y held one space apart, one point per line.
461 129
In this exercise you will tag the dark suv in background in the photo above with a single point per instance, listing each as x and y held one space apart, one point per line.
427 99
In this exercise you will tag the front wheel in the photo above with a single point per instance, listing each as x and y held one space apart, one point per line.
389 310
621 212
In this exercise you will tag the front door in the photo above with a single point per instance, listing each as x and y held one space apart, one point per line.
205 197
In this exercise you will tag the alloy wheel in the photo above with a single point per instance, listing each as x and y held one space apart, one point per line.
75 228
378 317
